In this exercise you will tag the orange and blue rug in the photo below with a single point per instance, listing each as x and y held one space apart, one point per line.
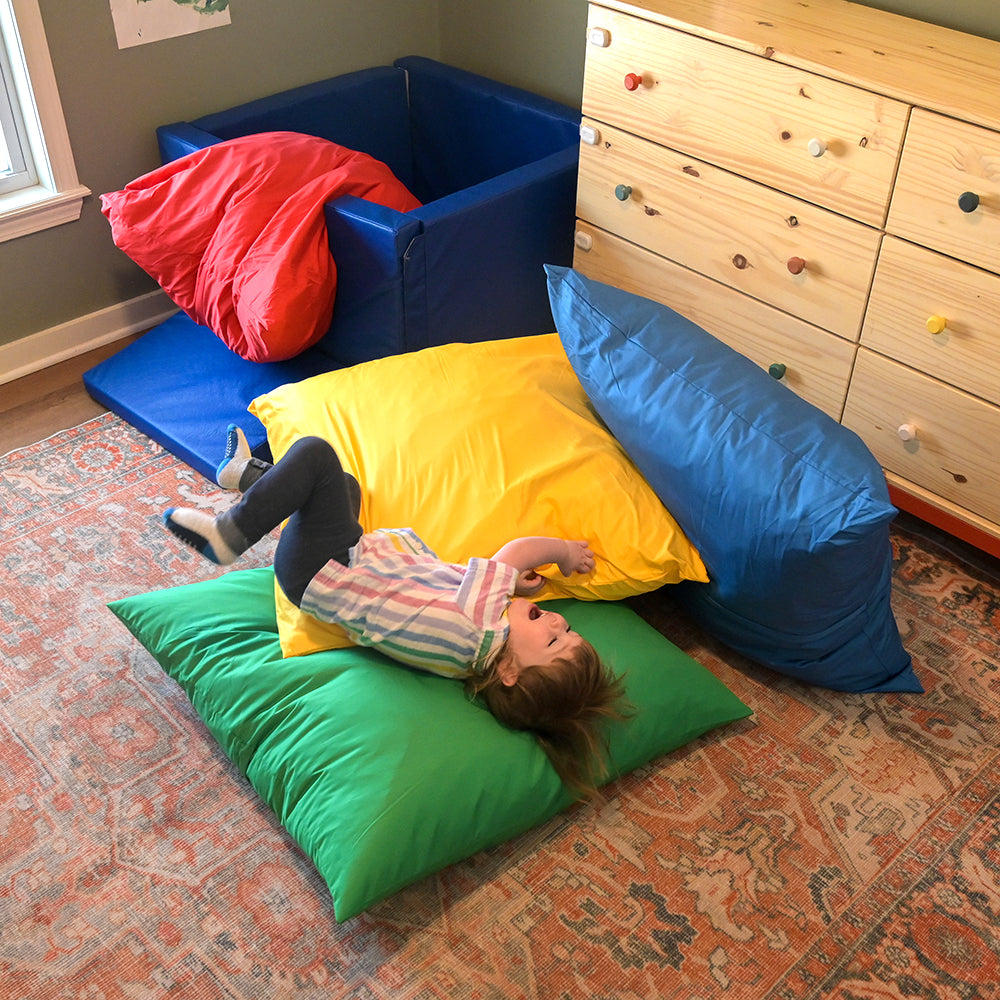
835 846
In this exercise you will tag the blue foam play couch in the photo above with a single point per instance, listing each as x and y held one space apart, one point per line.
495 169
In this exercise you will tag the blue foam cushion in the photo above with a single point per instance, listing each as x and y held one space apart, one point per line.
789 509
181 385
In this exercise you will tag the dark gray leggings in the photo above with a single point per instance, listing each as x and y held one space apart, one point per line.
308 487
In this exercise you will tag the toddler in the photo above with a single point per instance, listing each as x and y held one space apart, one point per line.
388 590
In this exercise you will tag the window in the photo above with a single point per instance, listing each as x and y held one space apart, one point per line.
16 169
38 182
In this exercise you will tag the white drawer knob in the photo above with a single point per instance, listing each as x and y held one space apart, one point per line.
600 37
816 147
583 241
907 432
590 134
936 324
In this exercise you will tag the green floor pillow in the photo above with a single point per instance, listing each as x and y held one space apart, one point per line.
383 774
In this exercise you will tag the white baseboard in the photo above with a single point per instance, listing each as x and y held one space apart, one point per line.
49 347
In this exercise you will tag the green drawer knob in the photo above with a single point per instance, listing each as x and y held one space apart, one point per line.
623 192
777 371
968 201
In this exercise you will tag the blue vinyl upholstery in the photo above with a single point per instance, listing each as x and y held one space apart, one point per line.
495 168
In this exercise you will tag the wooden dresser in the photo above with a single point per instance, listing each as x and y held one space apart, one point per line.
817 184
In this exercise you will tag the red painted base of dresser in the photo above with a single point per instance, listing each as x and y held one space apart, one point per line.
946 522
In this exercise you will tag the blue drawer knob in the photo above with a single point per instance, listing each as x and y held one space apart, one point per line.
777 371
623 192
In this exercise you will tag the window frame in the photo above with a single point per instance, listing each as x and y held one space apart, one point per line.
53 195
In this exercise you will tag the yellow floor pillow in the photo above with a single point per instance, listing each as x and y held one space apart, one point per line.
472 445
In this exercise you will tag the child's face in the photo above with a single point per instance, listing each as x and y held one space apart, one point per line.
537 637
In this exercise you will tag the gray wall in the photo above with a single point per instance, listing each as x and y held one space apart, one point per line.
114 99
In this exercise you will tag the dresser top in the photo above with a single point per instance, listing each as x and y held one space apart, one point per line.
920 63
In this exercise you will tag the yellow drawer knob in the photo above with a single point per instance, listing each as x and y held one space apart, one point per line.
623 192
907 432
936 324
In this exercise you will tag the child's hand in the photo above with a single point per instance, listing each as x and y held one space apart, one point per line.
529 582
579 558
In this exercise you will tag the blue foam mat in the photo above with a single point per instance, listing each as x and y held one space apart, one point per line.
182 386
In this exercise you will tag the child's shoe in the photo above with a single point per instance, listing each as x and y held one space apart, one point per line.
239 470
202 533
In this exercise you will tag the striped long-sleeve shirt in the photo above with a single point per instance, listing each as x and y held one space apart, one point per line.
397 596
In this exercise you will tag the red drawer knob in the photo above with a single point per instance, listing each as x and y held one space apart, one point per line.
633 81
795 265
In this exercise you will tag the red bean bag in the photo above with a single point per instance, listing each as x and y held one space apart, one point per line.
235 234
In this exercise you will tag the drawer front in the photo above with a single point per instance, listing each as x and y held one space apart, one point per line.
953 452
817 364
947 195
793 255
745 113
937 315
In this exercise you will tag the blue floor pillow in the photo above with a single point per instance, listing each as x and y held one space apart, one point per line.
789 509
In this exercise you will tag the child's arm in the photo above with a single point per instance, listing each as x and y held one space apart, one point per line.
537 550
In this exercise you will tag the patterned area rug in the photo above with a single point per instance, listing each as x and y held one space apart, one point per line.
833 846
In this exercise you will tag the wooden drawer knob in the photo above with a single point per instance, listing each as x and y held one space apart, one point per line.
777 371
968 201
907 432
936 324
795 265
623 192
816 147
633 81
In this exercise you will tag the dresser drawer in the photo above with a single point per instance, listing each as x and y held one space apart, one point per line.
915 293
952 454
745 113
817 364
802 259
947 195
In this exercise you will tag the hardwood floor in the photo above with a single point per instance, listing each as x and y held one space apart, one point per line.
38 405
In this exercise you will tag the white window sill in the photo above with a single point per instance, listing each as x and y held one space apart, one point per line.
36 208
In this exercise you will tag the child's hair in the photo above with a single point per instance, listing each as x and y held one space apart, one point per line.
565 704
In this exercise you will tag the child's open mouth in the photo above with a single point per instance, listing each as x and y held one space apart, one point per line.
534 612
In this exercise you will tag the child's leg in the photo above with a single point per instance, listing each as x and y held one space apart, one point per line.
239 469
308 488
